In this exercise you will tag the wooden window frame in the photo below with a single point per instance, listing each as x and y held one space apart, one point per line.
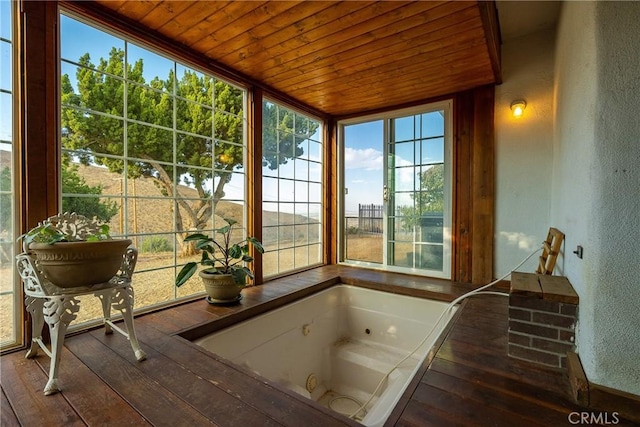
472 245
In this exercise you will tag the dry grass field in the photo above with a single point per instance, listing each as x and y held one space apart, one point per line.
153 281
151 215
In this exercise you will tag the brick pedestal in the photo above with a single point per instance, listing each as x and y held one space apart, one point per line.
542 316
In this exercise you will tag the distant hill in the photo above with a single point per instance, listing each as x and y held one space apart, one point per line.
154 213
5 159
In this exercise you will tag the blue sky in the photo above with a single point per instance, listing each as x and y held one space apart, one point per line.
5 72
363 159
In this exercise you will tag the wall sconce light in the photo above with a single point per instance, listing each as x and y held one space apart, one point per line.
517 107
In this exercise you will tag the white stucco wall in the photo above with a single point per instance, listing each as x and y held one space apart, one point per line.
596 181
524 150
573 162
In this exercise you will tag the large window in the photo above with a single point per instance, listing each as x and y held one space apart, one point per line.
291 189
10 313
153 147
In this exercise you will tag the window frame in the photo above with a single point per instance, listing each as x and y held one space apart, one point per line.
321 221
17 313
178 63
447 105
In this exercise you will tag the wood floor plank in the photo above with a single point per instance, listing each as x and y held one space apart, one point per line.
485 358
514 387
492 338
251 389
23 382
156 404
195 312
218 405
418 415
518 411
85 392
436 402
482 310
267 292
478 321
465 411
8 418
489 304
175 320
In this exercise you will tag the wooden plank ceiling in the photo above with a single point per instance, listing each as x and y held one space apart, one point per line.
341 57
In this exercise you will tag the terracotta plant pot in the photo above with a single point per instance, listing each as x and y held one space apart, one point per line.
74 264
220 287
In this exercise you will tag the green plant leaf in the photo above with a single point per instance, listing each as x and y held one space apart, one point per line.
230 221
205 245
104 231
235 251
256 244
247 272
185 274
223 256
224 230
239 276
196 236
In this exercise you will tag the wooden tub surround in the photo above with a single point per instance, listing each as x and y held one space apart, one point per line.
469 381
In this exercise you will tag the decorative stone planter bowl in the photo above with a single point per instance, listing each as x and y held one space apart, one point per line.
75 264
220 287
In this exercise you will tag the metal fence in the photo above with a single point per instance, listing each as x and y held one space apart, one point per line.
368 221
370 218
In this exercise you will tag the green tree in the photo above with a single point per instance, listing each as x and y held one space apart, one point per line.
73 183
430 198
5 200
207 113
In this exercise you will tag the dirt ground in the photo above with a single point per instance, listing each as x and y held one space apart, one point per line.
364 248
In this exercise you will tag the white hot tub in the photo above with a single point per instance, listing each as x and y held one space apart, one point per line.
335 346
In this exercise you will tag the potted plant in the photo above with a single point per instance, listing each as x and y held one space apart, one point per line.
226 273
72 250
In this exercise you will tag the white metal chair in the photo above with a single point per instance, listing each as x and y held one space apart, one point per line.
58 307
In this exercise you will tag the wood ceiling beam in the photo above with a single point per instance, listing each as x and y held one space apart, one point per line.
489 15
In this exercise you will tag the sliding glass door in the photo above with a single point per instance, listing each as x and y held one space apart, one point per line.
363 162
396 191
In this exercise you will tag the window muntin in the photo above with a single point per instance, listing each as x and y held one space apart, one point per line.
418 212
292 191
155 147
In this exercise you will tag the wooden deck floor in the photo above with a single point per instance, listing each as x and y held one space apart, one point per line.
470 381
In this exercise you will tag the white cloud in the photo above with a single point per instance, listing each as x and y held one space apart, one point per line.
406 175
368 159
371 159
